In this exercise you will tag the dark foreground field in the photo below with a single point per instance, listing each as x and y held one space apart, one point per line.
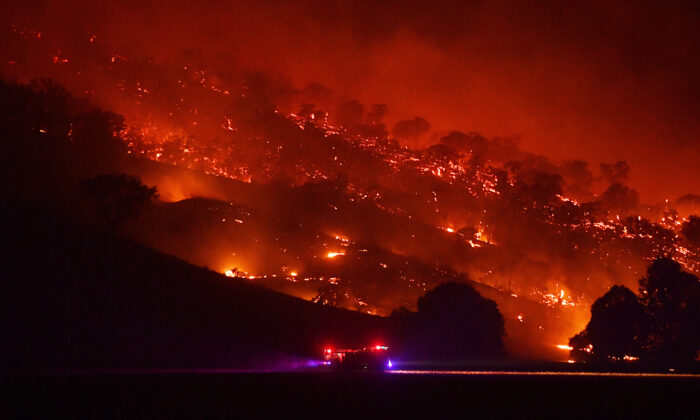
290 395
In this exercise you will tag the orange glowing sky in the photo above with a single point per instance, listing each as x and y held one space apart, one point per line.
600 82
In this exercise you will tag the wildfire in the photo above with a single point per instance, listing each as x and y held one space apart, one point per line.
179 134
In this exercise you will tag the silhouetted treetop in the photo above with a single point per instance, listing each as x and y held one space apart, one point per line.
619 198
117 198
615 173
691 230
43 109
411 129
453 322
672 299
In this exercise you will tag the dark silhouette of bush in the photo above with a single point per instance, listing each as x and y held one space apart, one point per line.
617 328
453 322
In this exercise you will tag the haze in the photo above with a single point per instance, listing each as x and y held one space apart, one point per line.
597 81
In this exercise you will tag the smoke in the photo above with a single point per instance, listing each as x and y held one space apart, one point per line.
597 81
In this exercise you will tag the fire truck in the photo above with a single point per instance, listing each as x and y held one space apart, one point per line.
375 358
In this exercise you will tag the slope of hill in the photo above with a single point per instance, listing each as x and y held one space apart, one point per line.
75 298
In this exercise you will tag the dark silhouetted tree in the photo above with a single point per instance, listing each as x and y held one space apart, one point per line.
43 122
453 322
579 179
617 173
533 186
672 300
117 198
691 230
619 198
350 113
618 326
377 113
411 130
668 330
473 145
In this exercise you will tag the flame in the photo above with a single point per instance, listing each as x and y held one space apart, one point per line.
564 347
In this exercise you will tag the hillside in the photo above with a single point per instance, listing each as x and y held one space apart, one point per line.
77 298
319 241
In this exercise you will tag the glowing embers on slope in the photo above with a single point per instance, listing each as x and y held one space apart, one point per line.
169 126
234 272
558 299
289 275
344 240
604 230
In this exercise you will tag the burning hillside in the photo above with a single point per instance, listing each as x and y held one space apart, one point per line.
318 198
